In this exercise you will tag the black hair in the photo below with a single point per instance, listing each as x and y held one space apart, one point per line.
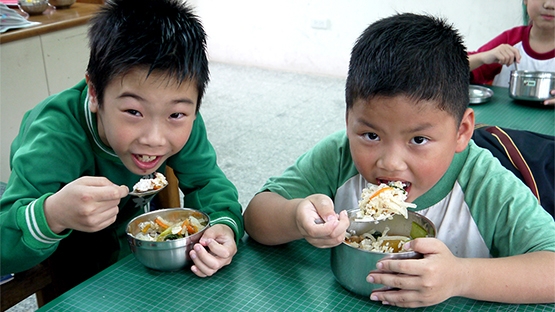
418 56
158 35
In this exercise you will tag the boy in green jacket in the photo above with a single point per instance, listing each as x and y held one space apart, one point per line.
407 119
80 151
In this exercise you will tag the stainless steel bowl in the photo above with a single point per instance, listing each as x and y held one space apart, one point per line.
33 7
62 4
171 255
351 265
479 94
531 86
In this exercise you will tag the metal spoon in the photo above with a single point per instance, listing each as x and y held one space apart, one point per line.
146 193
321 221
353 218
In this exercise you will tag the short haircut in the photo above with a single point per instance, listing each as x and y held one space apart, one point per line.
163 36
418 56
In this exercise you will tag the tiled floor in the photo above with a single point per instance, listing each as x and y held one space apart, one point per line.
260 121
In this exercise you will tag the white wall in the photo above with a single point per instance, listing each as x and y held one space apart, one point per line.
284 34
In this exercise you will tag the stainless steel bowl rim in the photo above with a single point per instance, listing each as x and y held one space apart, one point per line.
532 74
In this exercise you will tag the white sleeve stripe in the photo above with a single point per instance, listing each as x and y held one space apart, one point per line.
226 220
34 229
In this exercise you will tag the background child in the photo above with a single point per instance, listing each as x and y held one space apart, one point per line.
532 47
408 120
80 151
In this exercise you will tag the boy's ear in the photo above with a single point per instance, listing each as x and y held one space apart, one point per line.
466 129
93 100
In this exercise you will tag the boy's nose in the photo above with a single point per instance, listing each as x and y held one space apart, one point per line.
392 160
153 136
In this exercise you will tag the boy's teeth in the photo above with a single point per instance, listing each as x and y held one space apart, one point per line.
145 158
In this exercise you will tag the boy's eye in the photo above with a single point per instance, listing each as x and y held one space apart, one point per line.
419 140
371 136
133 112
177 115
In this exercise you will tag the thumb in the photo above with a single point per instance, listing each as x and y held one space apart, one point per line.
324 208
425 245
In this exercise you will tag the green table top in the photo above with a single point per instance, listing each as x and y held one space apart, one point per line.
291 277
505 112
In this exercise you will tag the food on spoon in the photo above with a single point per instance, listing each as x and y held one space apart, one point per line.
144 185
381 202
161 229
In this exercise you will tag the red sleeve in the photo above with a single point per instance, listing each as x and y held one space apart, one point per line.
485 73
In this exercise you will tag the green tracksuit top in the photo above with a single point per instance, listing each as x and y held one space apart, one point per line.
480 209
57 143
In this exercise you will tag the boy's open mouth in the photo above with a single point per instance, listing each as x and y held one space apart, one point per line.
406 185
146 162
145 158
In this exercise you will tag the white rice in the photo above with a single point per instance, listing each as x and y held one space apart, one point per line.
157 182
385 204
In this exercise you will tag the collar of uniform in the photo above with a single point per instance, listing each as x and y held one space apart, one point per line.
92 127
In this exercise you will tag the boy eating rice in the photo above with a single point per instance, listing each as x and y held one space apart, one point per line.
407 119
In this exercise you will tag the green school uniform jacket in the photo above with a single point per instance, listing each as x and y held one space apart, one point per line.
57 143
480 209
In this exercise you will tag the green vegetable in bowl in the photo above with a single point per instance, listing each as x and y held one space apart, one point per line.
172 237
417 231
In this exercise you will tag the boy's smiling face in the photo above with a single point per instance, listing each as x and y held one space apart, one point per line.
145 120
397 139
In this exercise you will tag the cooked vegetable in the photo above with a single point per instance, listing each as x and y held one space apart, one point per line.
375 241
162 223
417 231
162 230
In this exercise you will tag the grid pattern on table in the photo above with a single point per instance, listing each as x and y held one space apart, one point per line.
293 277
529 116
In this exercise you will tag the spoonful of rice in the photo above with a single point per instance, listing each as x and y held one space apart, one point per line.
381 202
147 187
